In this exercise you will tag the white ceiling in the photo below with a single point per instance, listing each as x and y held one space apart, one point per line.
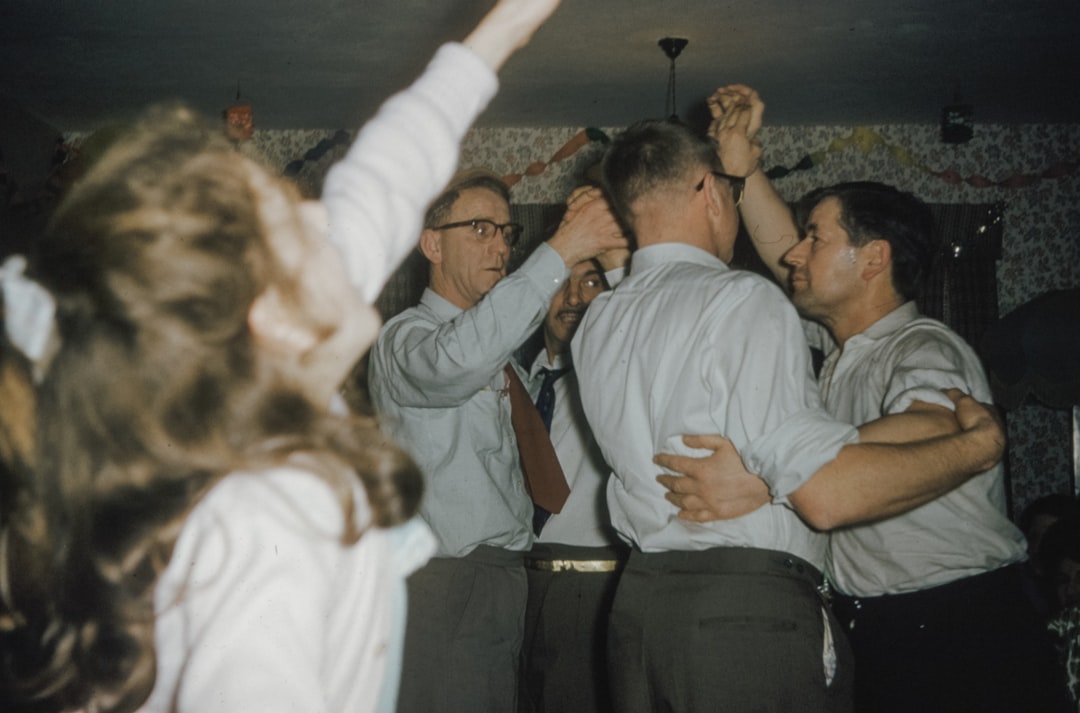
327 63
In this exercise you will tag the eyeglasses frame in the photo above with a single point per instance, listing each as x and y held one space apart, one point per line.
500 228
738 184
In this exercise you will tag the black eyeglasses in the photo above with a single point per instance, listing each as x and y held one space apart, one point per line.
483 230
737 183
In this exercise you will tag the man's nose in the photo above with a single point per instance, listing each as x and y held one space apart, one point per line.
797 254
498 246
573 294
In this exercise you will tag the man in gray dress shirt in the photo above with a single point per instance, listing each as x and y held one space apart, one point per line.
438 385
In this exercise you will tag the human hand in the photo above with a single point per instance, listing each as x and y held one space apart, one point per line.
715 487
588 229
613 259
737 112
982 421
508 27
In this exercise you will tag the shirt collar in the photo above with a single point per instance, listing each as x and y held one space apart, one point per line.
541 362
662 253
443 308
892 322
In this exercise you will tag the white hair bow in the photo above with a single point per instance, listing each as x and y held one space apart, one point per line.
29 312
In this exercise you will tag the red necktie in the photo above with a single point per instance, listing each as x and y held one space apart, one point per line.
544 478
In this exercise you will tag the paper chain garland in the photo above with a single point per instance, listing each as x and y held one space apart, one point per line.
341 138
866 140
577 142
862 138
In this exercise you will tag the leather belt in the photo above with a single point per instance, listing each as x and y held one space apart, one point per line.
560 565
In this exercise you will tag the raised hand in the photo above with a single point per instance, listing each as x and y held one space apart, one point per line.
737 112
507 27
714 487
588 228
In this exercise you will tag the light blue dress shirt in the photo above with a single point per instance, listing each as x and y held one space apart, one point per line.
437 383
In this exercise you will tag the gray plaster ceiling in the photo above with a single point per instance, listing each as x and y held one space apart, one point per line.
327 63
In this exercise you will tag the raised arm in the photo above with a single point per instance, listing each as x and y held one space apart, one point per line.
737 113
506 28
376 196
444 364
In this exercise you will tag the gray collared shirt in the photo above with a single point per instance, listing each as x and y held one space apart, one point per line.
437 382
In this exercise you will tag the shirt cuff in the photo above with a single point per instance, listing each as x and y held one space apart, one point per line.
788 456
545 269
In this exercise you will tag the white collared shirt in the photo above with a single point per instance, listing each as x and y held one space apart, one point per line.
686 345
902 358
584 520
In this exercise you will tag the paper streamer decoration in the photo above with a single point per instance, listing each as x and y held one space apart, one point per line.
577 142
866 140
862 138
341 138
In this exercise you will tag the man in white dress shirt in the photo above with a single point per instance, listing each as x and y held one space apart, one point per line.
574 564
932 598
438 384
722 614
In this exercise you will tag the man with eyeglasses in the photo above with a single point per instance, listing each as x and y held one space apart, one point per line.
438 381
719 615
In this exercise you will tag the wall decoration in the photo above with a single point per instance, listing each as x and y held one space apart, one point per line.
577 142
866 140
1040 194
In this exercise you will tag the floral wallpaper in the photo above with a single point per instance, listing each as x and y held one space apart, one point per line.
1034 170
1041 245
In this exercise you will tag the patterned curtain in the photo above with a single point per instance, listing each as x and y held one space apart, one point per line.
962 288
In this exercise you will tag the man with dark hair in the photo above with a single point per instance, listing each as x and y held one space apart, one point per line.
724 614
931 598
439 384
575 562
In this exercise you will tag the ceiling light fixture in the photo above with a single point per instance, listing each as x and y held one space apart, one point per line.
673 47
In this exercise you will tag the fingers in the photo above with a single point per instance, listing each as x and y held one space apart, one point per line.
583 193
713 441
614 258
956 395
691 506
685 466
588 229
757 114
700 516
734 96
678 485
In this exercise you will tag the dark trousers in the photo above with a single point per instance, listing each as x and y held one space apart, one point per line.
727 629
463 634
564 661
971 646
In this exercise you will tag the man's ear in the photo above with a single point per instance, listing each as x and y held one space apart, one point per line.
709 190
716 206
278 328
431 245
877 258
